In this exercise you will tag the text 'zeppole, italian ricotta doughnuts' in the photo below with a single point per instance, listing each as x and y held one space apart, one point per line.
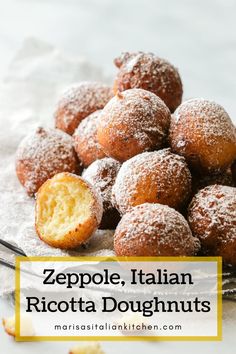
132 122
78 102
151 73
212 218
68 210
41 155
203 133
154 230
85 140
152 177
102 174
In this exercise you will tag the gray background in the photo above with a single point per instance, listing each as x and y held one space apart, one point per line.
198 36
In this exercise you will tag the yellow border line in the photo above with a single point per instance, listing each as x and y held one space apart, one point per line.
219 298
17 297
114 259
120 339
20 259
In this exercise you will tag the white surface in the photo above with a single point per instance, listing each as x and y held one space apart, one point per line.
198 36
8 346
28 97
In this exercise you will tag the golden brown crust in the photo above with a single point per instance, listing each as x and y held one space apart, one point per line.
85 140
83 230
151 73
152 177
212 218
41 155
78 102
203 133
154 230
72 239
132 122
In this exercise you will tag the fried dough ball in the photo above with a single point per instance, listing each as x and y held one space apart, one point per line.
212 218
233 169
68 211
203 133
152 177
102 174
132 122
78 102
154 230
41 155
151 73
85 140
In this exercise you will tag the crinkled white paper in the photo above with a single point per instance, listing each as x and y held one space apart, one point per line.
37 76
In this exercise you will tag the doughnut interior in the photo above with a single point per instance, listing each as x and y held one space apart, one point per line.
66 211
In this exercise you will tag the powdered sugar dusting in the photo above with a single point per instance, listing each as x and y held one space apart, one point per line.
210 116
203 132
102 174
136 115
42 154
160 170
154 229
79 101
147 71
215 208
85 139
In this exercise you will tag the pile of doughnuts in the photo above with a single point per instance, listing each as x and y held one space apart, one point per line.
160 172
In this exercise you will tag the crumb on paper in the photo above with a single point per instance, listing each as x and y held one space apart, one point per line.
27 328
87 348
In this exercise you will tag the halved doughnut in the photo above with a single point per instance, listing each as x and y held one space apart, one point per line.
68 211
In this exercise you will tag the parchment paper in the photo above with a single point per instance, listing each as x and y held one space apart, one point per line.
36 77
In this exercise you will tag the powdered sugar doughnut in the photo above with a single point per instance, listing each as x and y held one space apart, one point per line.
85 140
147 71
102 174
203 133
78 102
154 230
212 218
153 177
41 155
132 122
